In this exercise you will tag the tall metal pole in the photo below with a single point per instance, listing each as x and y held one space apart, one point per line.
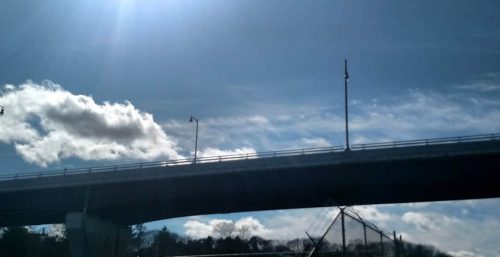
343 232
346 78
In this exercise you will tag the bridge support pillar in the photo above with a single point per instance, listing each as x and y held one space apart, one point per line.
93 237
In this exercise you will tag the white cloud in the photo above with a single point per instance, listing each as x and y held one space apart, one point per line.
245 227
214 152
47 124
487 83
197 229
421 221
282 225
372 214
413 115
481 87
464 236
291 224
425 114
253 225
315 142
441 224
462 253
210 154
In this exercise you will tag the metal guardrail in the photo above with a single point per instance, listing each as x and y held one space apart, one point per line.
270 154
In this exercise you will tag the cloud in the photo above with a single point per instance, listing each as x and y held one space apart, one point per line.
419 220
315 142
441 224
487 83
214 152
197 229
464 254
210 154
481 87
253 226
458 235
280 225
243 227
371 213
47 124
414 115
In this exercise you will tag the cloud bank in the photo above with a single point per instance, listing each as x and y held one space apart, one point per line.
47 124
287 224
413 115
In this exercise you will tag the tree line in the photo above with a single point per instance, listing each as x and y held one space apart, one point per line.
21 242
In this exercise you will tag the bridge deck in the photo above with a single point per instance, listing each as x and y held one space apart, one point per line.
378 175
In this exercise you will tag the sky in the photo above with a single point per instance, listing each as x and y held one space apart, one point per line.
103 82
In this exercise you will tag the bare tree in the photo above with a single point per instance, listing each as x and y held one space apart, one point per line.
244 232
224 229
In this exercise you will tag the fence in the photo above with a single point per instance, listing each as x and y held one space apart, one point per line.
271 154
350 235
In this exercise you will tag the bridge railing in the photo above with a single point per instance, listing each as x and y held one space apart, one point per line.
268 154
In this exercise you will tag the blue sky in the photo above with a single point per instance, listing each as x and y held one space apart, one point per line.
100 82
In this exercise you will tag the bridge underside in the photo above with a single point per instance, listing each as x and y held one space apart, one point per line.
349 183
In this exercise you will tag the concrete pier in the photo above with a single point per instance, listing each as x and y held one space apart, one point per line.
93 237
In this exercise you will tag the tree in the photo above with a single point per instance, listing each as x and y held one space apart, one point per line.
166 243
14 242
224 229
295 245
258 244
139 231
244 232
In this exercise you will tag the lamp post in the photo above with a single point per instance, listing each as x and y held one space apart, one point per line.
2 110
191 119
346 78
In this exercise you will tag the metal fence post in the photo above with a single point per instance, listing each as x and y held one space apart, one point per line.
381 243
401 246
396 243
364 232
343 232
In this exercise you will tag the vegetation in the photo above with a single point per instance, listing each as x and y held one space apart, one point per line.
20 242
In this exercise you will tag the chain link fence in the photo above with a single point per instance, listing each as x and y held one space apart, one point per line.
349 235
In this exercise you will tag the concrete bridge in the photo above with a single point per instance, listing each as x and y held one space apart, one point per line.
396 172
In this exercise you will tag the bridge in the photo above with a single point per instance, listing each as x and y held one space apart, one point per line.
394 172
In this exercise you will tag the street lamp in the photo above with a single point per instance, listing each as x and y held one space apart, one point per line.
2 110
346 78
191 119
